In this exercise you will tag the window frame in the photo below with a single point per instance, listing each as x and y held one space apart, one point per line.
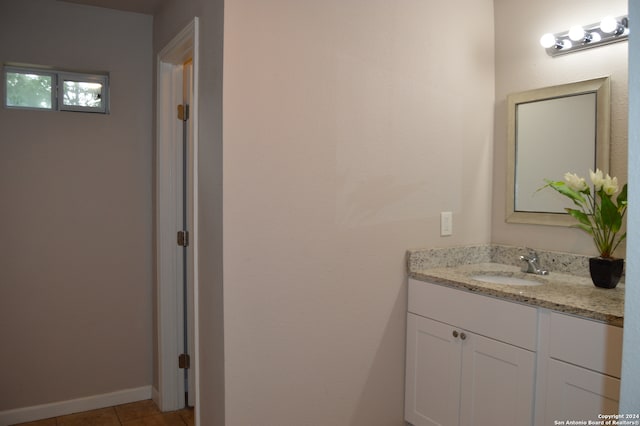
88 78
58 77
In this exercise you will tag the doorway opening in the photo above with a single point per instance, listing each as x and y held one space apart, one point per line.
177 222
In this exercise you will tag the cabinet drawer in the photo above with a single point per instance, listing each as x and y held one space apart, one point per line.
501 320
590 344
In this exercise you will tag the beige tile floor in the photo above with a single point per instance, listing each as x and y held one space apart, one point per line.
142 413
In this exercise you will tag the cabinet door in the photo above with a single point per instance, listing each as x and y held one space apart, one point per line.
432 392
498 383
575 393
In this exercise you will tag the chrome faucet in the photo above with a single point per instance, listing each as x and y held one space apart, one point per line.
531 265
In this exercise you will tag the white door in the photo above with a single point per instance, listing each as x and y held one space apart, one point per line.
432 392
498 383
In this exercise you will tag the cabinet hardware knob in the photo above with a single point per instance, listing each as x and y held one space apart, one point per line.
463 336
455 333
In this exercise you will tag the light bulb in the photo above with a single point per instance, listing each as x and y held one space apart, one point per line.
548 40
595 37
609 25
577 33
566 44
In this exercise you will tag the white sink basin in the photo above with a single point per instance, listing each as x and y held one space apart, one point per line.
503 279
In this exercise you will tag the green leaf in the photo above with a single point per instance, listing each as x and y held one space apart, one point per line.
622 197
582 217
563 189
610 216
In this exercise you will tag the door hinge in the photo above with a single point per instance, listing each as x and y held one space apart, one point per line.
183 112
183 238
184 361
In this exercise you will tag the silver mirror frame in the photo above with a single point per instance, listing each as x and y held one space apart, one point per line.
600 86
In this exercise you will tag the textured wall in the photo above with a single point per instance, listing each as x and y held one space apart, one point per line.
76 252
348 127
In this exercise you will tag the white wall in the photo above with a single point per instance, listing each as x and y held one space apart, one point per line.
522 64
630 392
348 128
76 215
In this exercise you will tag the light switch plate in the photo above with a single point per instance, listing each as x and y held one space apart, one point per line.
446 224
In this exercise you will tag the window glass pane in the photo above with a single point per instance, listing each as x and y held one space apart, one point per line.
28 90
82 93
36 88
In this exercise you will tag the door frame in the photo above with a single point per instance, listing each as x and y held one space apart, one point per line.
169 298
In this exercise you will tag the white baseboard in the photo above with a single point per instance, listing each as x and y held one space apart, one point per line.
61 408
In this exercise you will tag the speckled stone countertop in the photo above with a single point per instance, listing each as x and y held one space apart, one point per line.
567 288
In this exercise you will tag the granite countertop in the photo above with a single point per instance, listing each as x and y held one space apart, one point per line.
560 291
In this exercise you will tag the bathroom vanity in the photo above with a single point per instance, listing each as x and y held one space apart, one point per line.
481 353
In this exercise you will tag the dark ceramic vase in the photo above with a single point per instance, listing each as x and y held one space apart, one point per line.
605 271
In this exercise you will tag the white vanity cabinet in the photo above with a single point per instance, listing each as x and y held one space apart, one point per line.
478 360
470 359
582 368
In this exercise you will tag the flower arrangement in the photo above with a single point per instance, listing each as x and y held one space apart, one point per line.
598 214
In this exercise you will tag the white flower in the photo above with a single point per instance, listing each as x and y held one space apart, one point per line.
599 213
596 178
575 182
610 185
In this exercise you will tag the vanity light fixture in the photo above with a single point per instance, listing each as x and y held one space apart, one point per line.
609 30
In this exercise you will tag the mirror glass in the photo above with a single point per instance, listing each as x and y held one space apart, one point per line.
552 131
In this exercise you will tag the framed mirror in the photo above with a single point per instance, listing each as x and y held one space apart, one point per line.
552 131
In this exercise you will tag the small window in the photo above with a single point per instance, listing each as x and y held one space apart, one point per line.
33 88
81 92
29 88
